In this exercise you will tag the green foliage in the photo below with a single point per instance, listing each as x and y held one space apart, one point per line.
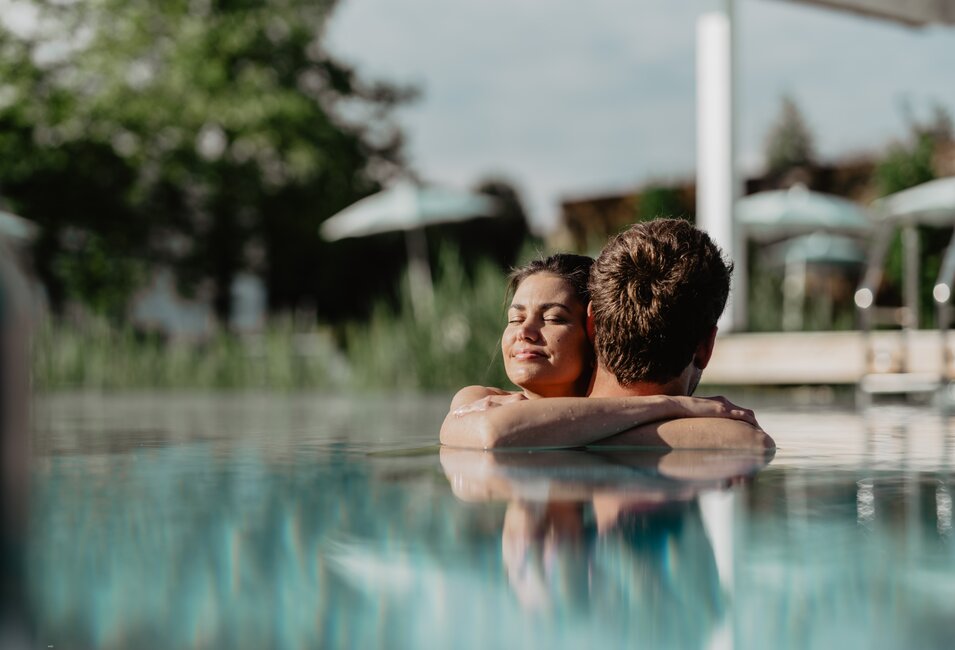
906 165
910 163
199 134
765 308
660 201
789 143
101 280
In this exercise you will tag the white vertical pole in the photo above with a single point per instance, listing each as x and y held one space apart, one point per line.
716 509
715 164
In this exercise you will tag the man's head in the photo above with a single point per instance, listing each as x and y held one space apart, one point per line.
657 290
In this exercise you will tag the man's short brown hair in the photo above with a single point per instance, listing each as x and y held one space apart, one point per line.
657 290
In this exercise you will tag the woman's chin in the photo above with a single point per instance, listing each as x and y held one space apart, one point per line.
521 375
535 378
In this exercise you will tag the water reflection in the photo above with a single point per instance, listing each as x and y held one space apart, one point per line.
299 522
189 546
618 537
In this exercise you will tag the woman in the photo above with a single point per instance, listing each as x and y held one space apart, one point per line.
548 353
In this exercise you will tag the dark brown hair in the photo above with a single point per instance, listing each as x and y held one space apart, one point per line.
575 269
658 290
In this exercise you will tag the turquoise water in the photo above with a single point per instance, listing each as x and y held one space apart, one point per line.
261 521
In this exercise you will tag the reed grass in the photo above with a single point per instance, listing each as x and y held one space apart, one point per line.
93 353
456 345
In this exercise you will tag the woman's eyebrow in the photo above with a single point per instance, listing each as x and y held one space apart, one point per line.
544 306
551 305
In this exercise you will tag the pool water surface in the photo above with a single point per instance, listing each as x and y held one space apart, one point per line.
304 521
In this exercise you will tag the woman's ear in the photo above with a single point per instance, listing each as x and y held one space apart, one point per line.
590 322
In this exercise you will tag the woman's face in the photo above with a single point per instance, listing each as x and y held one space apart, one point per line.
545 344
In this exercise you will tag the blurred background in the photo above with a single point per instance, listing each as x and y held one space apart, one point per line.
166 170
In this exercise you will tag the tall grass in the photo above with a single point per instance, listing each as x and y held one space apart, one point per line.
93 353
456 345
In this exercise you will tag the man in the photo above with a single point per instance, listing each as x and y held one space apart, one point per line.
657 291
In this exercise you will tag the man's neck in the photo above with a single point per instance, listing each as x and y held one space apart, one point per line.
606 385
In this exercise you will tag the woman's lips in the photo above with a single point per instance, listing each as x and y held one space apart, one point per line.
526 355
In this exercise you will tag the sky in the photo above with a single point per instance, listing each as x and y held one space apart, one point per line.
568 100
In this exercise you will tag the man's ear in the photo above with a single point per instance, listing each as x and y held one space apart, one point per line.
590 322
705 350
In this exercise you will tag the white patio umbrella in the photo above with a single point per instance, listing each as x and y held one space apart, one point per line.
409 208
16 229
931 203
775 214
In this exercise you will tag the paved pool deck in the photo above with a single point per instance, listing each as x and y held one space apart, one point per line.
780 358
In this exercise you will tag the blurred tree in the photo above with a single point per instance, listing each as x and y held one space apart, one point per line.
789 142
911 162
211 135
661 201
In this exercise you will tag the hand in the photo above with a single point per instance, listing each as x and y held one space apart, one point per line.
716 407
488 402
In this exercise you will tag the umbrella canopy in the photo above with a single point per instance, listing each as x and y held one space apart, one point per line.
406 207
908 13
796 211
16 229
818 248
930 203
409 208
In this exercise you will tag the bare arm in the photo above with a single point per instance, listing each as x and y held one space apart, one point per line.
567 421
468 432
693 433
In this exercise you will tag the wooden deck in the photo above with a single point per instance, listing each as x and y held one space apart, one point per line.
832 358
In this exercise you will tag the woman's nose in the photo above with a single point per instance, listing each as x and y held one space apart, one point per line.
529 331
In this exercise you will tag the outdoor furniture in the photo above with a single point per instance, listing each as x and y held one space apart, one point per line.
931 203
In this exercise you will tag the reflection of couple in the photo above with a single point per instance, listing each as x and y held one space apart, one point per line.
621 537
632 331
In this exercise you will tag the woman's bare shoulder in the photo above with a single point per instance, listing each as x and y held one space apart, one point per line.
470 394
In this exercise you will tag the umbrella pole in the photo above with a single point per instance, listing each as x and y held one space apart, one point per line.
419 274
794 296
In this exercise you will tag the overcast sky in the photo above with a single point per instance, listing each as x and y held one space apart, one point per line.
570 99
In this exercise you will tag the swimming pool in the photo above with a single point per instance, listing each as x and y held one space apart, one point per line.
301 521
